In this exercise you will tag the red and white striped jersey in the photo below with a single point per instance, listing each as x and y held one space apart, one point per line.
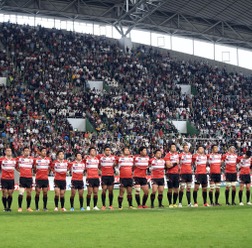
107 165
173 158
92 167
244 165
185 163
214 160
230 161
60 169
125 164
25 166
8 167
157 167
42 167
141 164
200 161
77 168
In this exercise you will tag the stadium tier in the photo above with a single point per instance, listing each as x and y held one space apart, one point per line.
48 69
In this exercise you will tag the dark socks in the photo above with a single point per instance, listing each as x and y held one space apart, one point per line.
81 201
120 200
188 196
103 196
145 197
195 195
88 200
56 201
137 197
181 193
72 201
175 197
36 201
95 199
28 201
20 200
129 197
111 196
169 196
62 201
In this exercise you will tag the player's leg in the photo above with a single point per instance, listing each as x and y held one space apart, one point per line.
182 186
37 193
248 193
95 197
195 194
9 199
56 197
62 199
73 192
210 193
160 196
137 188
4 198
120 197
188 193
240 193
103 195
21 193
28 198
45 197
145 189
153 193
204 183
217 193
204 194
81 199
89 194
228 186
111 195
129 196
169 192
175 186
233 185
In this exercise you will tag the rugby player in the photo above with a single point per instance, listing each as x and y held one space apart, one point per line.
185 163
172 175
125 164
25 165
42 168
141 163
77 168
60 168
157 167
93 182
200 163
8 164
107 164
244 165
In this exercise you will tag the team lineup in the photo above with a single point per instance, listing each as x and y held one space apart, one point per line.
177 168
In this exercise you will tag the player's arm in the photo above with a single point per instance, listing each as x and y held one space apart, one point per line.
17 164
52 166
34 165
168 163
238 163
85 164
194 157
1 159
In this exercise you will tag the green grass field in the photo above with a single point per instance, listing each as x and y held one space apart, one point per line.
186 227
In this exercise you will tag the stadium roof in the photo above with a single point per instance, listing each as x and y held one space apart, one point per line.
220 21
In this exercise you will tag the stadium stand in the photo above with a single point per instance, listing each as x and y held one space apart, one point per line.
47 72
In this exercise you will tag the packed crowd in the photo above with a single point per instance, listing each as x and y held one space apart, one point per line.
48 71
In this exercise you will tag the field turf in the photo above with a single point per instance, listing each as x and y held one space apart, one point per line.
225 226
